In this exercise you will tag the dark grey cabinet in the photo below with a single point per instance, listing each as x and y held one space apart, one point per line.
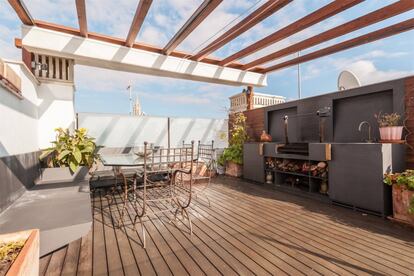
356 175
253 162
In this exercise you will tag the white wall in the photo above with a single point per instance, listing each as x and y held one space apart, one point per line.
119 131
55 109
18 123
28 124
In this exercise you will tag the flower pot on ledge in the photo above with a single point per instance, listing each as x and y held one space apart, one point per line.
401 198
391 133
233 169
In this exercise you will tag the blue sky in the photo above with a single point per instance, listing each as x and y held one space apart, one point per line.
100 90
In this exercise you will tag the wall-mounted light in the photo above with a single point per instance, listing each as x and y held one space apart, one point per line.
39 66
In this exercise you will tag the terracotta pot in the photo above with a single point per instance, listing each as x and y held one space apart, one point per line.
392 133
265 137
233 169
401 198
27 262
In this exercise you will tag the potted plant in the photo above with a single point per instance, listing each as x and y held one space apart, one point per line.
389 126
402 195
232 156
70 158
19 253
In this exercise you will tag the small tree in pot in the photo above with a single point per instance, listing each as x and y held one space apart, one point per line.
402 195
70 157
232 156
389 126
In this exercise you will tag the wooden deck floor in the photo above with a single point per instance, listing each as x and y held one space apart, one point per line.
247 230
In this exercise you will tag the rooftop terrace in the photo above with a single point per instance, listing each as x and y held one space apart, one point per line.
248 229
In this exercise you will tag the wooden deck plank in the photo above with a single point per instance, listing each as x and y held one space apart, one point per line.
376 248
56 262
281 237
142 260
99 259
129 264
250 250
43 264
85 255
70 265
307 237
249 234
169 256
115 265
262 237
218 264
337 245
248 229
152 252
181 253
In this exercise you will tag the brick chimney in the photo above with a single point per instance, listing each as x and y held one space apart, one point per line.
249 97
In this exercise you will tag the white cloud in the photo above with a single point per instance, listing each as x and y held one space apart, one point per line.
368 73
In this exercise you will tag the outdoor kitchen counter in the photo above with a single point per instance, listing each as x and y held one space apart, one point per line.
355 174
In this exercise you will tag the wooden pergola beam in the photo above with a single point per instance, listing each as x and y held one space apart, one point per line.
22 12
356 24
198 16
119 41
83 23
360 40
264 11
315 17
139 17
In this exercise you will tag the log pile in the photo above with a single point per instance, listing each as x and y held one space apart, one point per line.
317 169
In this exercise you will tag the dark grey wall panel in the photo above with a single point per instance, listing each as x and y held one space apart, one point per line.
276 124
253 163
308 120
351 107
348 113
17 173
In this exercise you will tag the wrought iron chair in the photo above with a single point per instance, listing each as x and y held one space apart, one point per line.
166 185
204 168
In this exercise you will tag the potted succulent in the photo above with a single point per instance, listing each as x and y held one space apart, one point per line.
389 126
402 195
70 158
232 156
19 253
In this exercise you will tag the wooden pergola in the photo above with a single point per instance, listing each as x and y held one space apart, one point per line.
262 12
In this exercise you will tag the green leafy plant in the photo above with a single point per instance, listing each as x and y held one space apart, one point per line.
405 179
238 136
388 120
70 150
411 207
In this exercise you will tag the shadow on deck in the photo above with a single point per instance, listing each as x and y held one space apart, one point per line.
248 229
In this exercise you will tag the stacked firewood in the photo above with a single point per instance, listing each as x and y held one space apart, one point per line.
319 169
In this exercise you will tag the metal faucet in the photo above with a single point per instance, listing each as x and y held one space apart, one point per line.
369 130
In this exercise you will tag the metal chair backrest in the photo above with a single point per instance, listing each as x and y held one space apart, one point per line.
167 159
205 152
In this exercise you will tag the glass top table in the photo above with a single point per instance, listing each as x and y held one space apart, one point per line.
122 160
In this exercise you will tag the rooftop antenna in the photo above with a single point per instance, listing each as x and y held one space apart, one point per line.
348 80
129 88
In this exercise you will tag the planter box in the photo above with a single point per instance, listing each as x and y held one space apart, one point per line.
233 169
401 198
27 262
62 175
